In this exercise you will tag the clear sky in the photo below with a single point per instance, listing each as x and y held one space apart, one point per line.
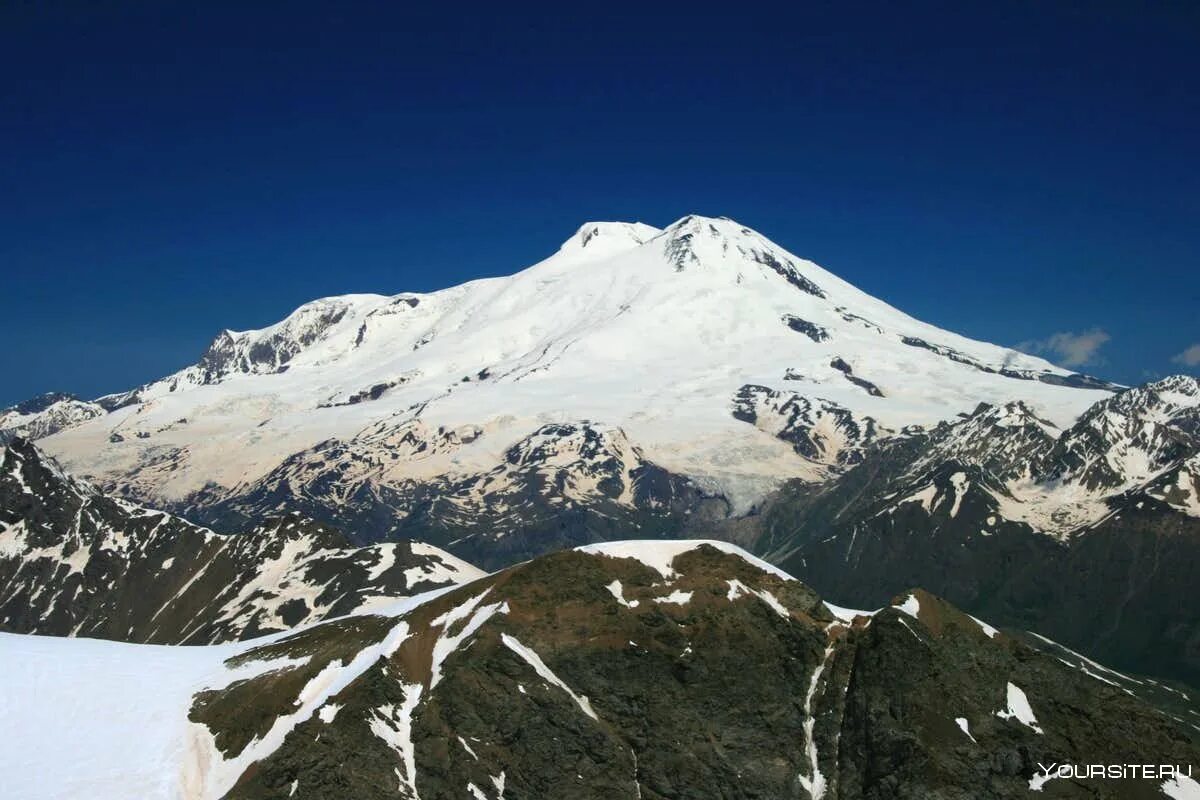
1021 172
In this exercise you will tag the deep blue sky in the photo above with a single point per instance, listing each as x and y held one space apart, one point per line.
171 169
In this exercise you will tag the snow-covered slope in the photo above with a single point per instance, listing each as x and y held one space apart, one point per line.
618 671
675 338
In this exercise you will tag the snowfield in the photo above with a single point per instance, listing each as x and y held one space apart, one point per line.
109 721
650 331
90 718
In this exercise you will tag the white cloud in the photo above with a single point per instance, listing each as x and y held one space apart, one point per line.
1070 349
1189 357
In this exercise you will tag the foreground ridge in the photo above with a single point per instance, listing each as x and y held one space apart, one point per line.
636 669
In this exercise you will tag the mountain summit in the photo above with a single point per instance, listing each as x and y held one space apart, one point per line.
647 373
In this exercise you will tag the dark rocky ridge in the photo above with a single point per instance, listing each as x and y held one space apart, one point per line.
526 506
76 562
587 676
810 329
799 420
841 366
1074 380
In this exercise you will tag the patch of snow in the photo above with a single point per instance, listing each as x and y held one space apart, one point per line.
959 481
539 666
1181 787
467 747
988 629
961 722
847 615
12 540
814 783
617 591
447 643
911 606
737 589
1041 779
98 719
1019 709
444 567
910 628
394 726
925 497
660 554
1095 665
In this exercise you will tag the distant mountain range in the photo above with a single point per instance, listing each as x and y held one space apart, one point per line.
1089 534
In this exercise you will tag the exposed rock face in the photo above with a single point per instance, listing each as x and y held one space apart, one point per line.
810 329
75 562
664 670
564 485
1129 437
819 430
1074 380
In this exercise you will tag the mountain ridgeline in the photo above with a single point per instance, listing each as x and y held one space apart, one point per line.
75 562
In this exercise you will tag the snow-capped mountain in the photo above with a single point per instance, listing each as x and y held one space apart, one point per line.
46 414
1089 534
615 671
703 354
1130 437
75 562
